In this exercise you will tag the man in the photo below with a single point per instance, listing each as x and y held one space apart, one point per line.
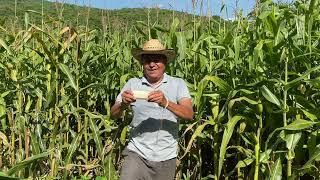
157 101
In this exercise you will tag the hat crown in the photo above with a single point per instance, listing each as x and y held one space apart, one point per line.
153 45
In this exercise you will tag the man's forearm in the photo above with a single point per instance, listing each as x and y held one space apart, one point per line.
181 111
117 110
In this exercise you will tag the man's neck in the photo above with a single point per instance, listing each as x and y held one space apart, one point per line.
154 82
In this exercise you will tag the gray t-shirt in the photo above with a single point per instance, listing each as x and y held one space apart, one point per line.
154 129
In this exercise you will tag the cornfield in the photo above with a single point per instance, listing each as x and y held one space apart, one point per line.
255 84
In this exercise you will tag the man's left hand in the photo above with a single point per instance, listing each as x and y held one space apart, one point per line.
157 97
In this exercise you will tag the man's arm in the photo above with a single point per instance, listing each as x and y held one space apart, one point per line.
118 107
183 109
116 110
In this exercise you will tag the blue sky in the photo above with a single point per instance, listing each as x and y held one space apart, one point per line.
180 5
209 6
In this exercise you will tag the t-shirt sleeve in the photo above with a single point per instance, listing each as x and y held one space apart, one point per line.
127 86
183 91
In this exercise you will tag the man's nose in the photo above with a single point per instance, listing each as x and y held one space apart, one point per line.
152 63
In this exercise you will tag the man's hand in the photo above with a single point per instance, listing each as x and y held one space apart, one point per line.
127 97
183 108
157 97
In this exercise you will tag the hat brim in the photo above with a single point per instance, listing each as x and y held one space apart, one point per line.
138 52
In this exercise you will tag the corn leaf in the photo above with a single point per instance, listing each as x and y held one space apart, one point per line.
5 176
65 69
34 143
276 170
265 156
315 156
270 96
73 146
5 46
303 76
197 132
4 139
292 140
223 85
231 103
299 124
28 161
96 137
226 138
123 135
244 163
296 125
312 143
311 116
236 44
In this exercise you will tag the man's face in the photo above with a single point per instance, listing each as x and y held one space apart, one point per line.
154 66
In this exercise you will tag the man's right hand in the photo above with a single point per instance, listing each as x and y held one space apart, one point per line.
127 97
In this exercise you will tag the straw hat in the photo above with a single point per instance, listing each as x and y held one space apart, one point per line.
153 46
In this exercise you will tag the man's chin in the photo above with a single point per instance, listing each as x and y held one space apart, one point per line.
152 74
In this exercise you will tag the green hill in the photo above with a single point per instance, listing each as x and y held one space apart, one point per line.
12 14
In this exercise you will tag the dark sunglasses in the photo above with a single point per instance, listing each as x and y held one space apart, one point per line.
147 58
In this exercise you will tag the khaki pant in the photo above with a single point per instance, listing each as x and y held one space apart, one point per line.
138 168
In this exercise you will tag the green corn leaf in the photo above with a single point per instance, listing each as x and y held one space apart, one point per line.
299 124
296 125
6 177
246 152
4 139
225 140
3 111
189 128
33 11
161 29
123 135
5 94
73 146
264 14
224 109
123 79
141 30
95 85
312 143
174 25
26 20
292 140
236 44
265 156
181 44
276 170
231 103
197 132
28 161
34 143
90 114
96 137
311 116
270 96
38 132
244 163
303 76
45 48
315 156
223 85
65 69
5 46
